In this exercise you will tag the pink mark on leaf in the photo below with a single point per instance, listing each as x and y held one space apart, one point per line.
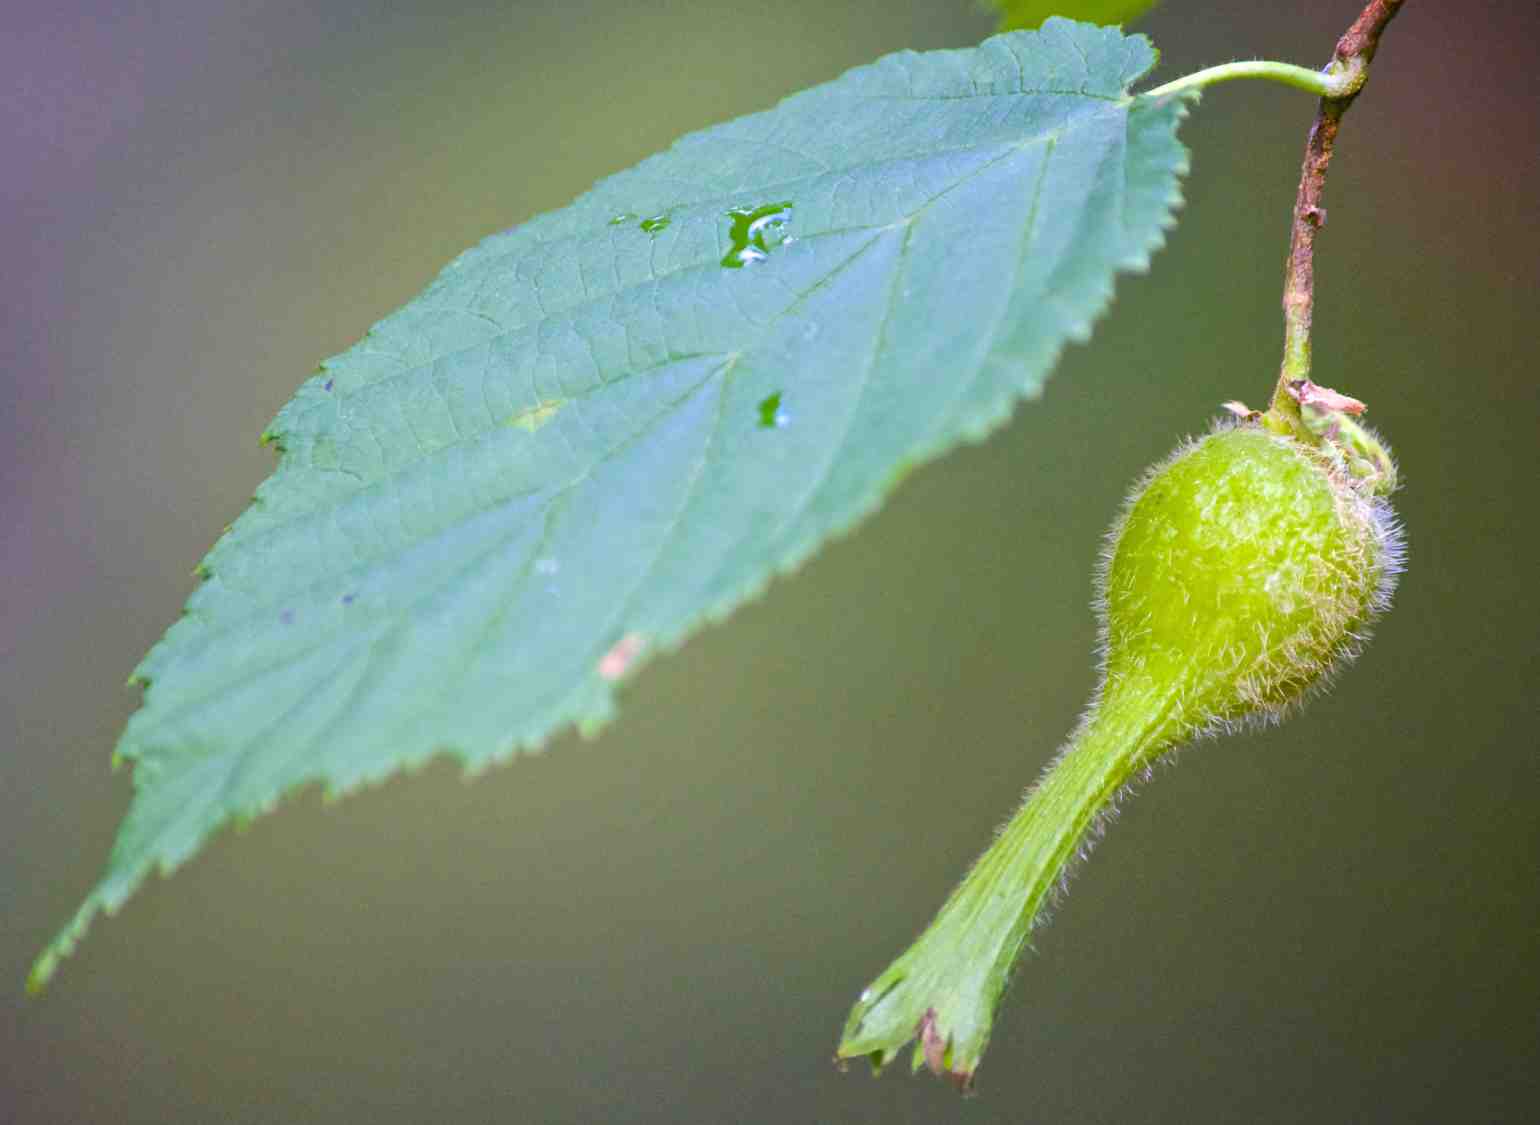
615 663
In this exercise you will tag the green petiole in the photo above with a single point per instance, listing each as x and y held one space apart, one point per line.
1323 83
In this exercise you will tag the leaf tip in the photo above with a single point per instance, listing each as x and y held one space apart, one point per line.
42 971
63 944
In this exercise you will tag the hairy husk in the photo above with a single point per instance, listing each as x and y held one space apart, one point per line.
1244 570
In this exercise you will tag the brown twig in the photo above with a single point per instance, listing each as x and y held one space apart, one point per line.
1350 70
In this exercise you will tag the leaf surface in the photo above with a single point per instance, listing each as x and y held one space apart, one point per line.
602 428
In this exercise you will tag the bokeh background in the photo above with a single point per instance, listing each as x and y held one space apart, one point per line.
1338 920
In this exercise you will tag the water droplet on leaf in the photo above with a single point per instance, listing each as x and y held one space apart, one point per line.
771 416
756 231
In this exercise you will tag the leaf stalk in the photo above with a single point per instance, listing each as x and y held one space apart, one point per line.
1317 82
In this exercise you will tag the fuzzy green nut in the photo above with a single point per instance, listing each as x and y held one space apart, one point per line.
1243 570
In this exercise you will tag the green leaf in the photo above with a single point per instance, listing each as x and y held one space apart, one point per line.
598 431
1016 14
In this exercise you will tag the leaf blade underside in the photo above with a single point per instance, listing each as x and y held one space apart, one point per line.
613 423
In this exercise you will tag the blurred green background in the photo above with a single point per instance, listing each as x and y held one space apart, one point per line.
1338 920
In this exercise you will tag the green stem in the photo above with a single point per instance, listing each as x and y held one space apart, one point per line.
945 988
1317 82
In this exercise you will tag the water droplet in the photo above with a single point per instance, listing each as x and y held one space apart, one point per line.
755 232
546 566
771 416
621 219
655 224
